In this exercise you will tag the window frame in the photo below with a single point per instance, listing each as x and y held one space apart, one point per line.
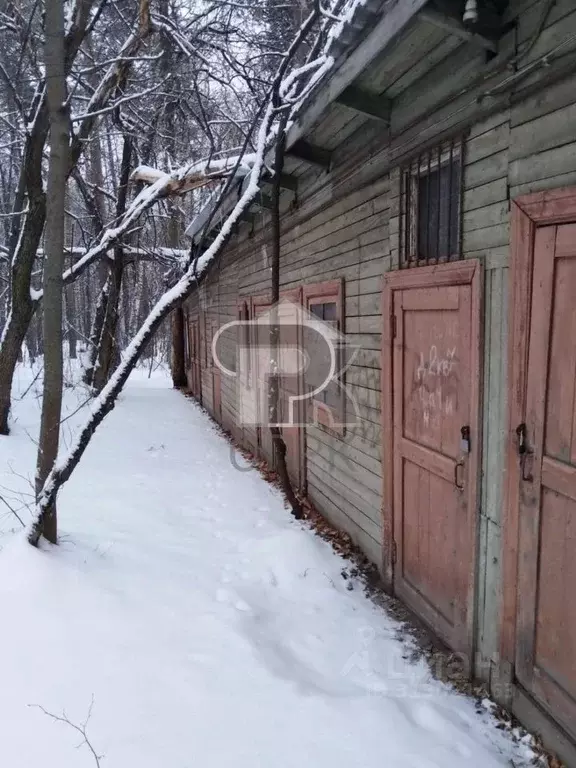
328 417
423 166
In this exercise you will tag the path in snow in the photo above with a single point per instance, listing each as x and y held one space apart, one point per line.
211 629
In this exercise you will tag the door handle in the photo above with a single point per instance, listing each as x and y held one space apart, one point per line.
458 485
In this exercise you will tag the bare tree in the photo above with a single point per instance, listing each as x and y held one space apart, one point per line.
29 213
29 224
80 728
54 252
291 85
107 350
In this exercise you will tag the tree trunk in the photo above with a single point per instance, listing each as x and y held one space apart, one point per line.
178 361
108 347
71 319
274 382
177 358
25 239
54 254
105 352
21 304
102 274
26 235
96 333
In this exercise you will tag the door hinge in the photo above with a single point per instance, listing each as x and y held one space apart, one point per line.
394 326
394 553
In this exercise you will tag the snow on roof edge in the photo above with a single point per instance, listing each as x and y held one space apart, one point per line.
199 221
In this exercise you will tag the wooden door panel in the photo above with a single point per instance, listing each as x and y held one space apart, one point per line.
290 386
424 457
555 626
426 534
435 396
214 371
435 405
546 608
561 477
261 339
217 394
194 347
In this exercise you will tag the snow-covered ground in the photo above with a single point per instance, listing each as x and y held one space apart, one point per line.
208 628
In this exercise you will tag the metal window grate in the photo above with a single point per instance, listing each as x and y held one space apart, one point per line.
430 207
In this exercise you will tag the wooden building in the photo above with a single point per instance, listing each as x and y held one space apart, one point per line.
430 207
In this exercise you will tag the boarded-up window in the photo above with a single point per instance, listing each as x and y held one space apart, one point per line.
430 207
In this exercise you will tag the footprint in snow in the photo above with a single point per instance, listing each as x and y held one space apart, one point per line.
224 596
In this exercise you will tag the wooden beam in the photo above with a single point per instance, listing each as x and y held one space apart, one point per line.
286 181
398 14
364 17
365 102
247 216
310 153
264 201
457 28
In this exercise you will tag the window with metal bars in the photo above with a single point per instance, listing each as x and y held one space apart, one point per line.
430 206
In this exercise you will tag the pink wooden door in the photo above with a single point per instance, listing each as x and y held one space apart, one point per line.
194 348
216 380
435 444
546 606
290 387
261 339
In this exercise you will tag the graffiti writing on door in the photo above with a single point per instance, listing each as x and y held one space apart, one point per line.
437 383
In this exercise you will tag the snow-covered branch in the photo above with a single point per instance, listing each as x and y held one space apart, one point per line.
191 176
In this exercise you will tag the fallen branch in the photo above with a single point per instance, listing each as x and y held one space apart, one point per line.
105 401
13 511
81 729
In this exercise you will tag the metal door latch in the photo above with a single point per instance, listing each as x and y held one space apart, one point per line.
525 454
465 439
457 483
521 435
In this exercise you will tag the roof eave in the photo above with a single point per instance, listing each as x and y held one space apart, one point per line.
396 15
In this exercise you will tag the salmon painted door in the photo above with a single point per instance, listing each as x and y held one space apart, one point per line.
216 380
261 342
194 358
546 606
435 343
291 384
